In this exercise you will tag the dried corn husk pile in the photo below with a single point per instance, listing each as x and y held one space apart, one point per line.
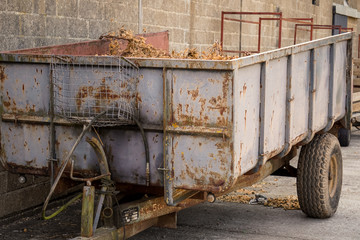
137 47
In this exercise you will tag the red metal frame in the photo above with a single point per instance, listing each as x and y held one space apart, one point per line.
278 17
223 18
316 26
299 22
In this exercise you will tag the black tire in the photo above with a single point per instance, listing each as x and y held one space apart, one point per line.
344 136
319 176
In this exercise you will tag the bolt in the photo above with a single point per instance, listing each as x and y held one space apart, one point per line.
211 198
22 179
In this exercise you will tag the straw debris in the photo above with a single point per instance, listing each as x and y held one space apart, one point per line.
246 196
137 47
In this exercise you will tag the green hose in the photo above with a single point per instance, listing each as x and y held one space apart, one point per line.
62 208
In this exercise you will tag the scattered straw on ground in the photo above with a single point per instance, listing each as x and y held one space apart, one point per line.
137 47
287 203
245 196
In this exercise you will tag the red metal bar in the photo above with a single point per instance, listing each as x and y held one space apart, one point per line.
222 31
269 19
259 37
297 20
316 26
253 13
312 30
347 29
240 20
280 31
233 51
252 22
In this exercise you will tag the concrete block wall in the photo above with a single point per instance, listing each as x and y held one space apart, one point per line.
34 23
191 24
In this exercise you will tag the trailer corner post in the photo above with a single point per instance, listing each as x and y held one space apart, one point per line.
87 211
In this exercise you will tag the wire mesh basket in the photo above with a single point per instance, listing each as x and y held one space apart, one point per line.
83 90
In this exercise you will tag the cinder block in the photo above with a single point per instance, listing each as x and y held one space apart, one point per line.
22 42
2 5
118 12
78 28
90 9
67 8
184 22
56 27
39 6
50 7
172 19
97 28
177 35
40 42
32 25
9 23
20 6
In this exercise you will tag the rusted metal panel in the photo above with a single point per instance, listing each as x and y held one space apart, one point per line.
299 97
322 69
200 98
25 147
149 96
340 79
246 118
274 102
25 88
200 162
159 40
126 155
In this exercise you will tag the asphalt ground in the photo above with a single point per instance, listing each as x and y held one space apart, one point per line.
225 220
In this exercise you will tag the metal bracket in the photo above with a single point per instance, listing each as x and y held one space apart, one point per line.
52 159
88 180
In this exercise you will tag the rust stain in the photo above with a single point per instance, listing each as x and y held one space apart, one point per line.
102 93
30 109
245 118
30 162
194 93
216 179
3 77
244 88
23 88
138 98
6 104
12 167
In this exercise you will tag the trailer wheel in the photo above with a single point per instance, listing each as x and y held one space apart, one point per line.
344 136
319 176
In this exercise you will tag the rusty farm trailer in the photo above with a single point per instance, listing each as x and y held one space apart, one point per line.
176 132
